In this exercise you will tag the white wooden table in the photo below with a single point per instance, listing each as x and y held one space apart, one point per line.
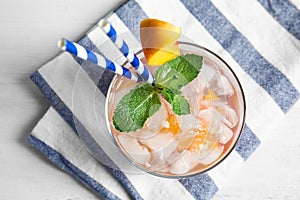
29 31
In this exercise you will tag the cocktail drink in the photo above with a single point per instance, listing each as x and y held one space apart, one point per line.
173 145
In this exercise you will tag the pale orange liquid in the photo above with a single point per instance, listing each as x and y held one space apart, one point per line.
233 101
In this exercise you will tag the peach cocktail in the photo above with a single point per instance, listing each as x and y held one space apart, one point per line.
173 145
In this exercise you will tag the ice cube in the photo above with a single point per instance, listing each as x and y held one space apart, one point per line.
193 92
189 122
208 73
221 85
230 117
157 121
225 135
214 124
211 156
213 118
185 139
194 88
144 133
226 113
137 152
184 163
161 146
174 156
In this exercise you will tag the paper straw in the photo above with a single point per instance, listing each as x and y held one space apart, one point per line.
95 58
123 47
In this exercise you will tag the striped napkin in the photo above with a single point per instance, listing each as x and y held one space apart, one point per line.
259 39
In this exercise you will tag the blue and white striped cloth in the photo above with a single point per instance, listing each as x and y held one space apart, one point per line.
259 39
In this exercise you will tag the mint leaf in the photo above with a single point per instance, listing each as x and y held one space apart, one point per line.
194 60
168 95
178 72
144 100
180 105
136 107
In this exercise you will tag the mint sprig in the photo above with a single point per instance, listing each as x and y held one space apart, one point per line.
144 100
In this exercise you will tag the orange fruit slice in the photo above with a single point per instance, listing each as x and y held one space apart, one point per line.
158 40
198 139
211 96
192 140
173 125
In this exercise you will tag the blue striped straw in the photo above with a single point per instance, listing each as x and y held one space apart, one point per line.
95 58
123 47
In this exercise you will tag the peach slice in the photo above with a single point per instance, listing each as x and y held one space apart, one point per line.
158 40
173 125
